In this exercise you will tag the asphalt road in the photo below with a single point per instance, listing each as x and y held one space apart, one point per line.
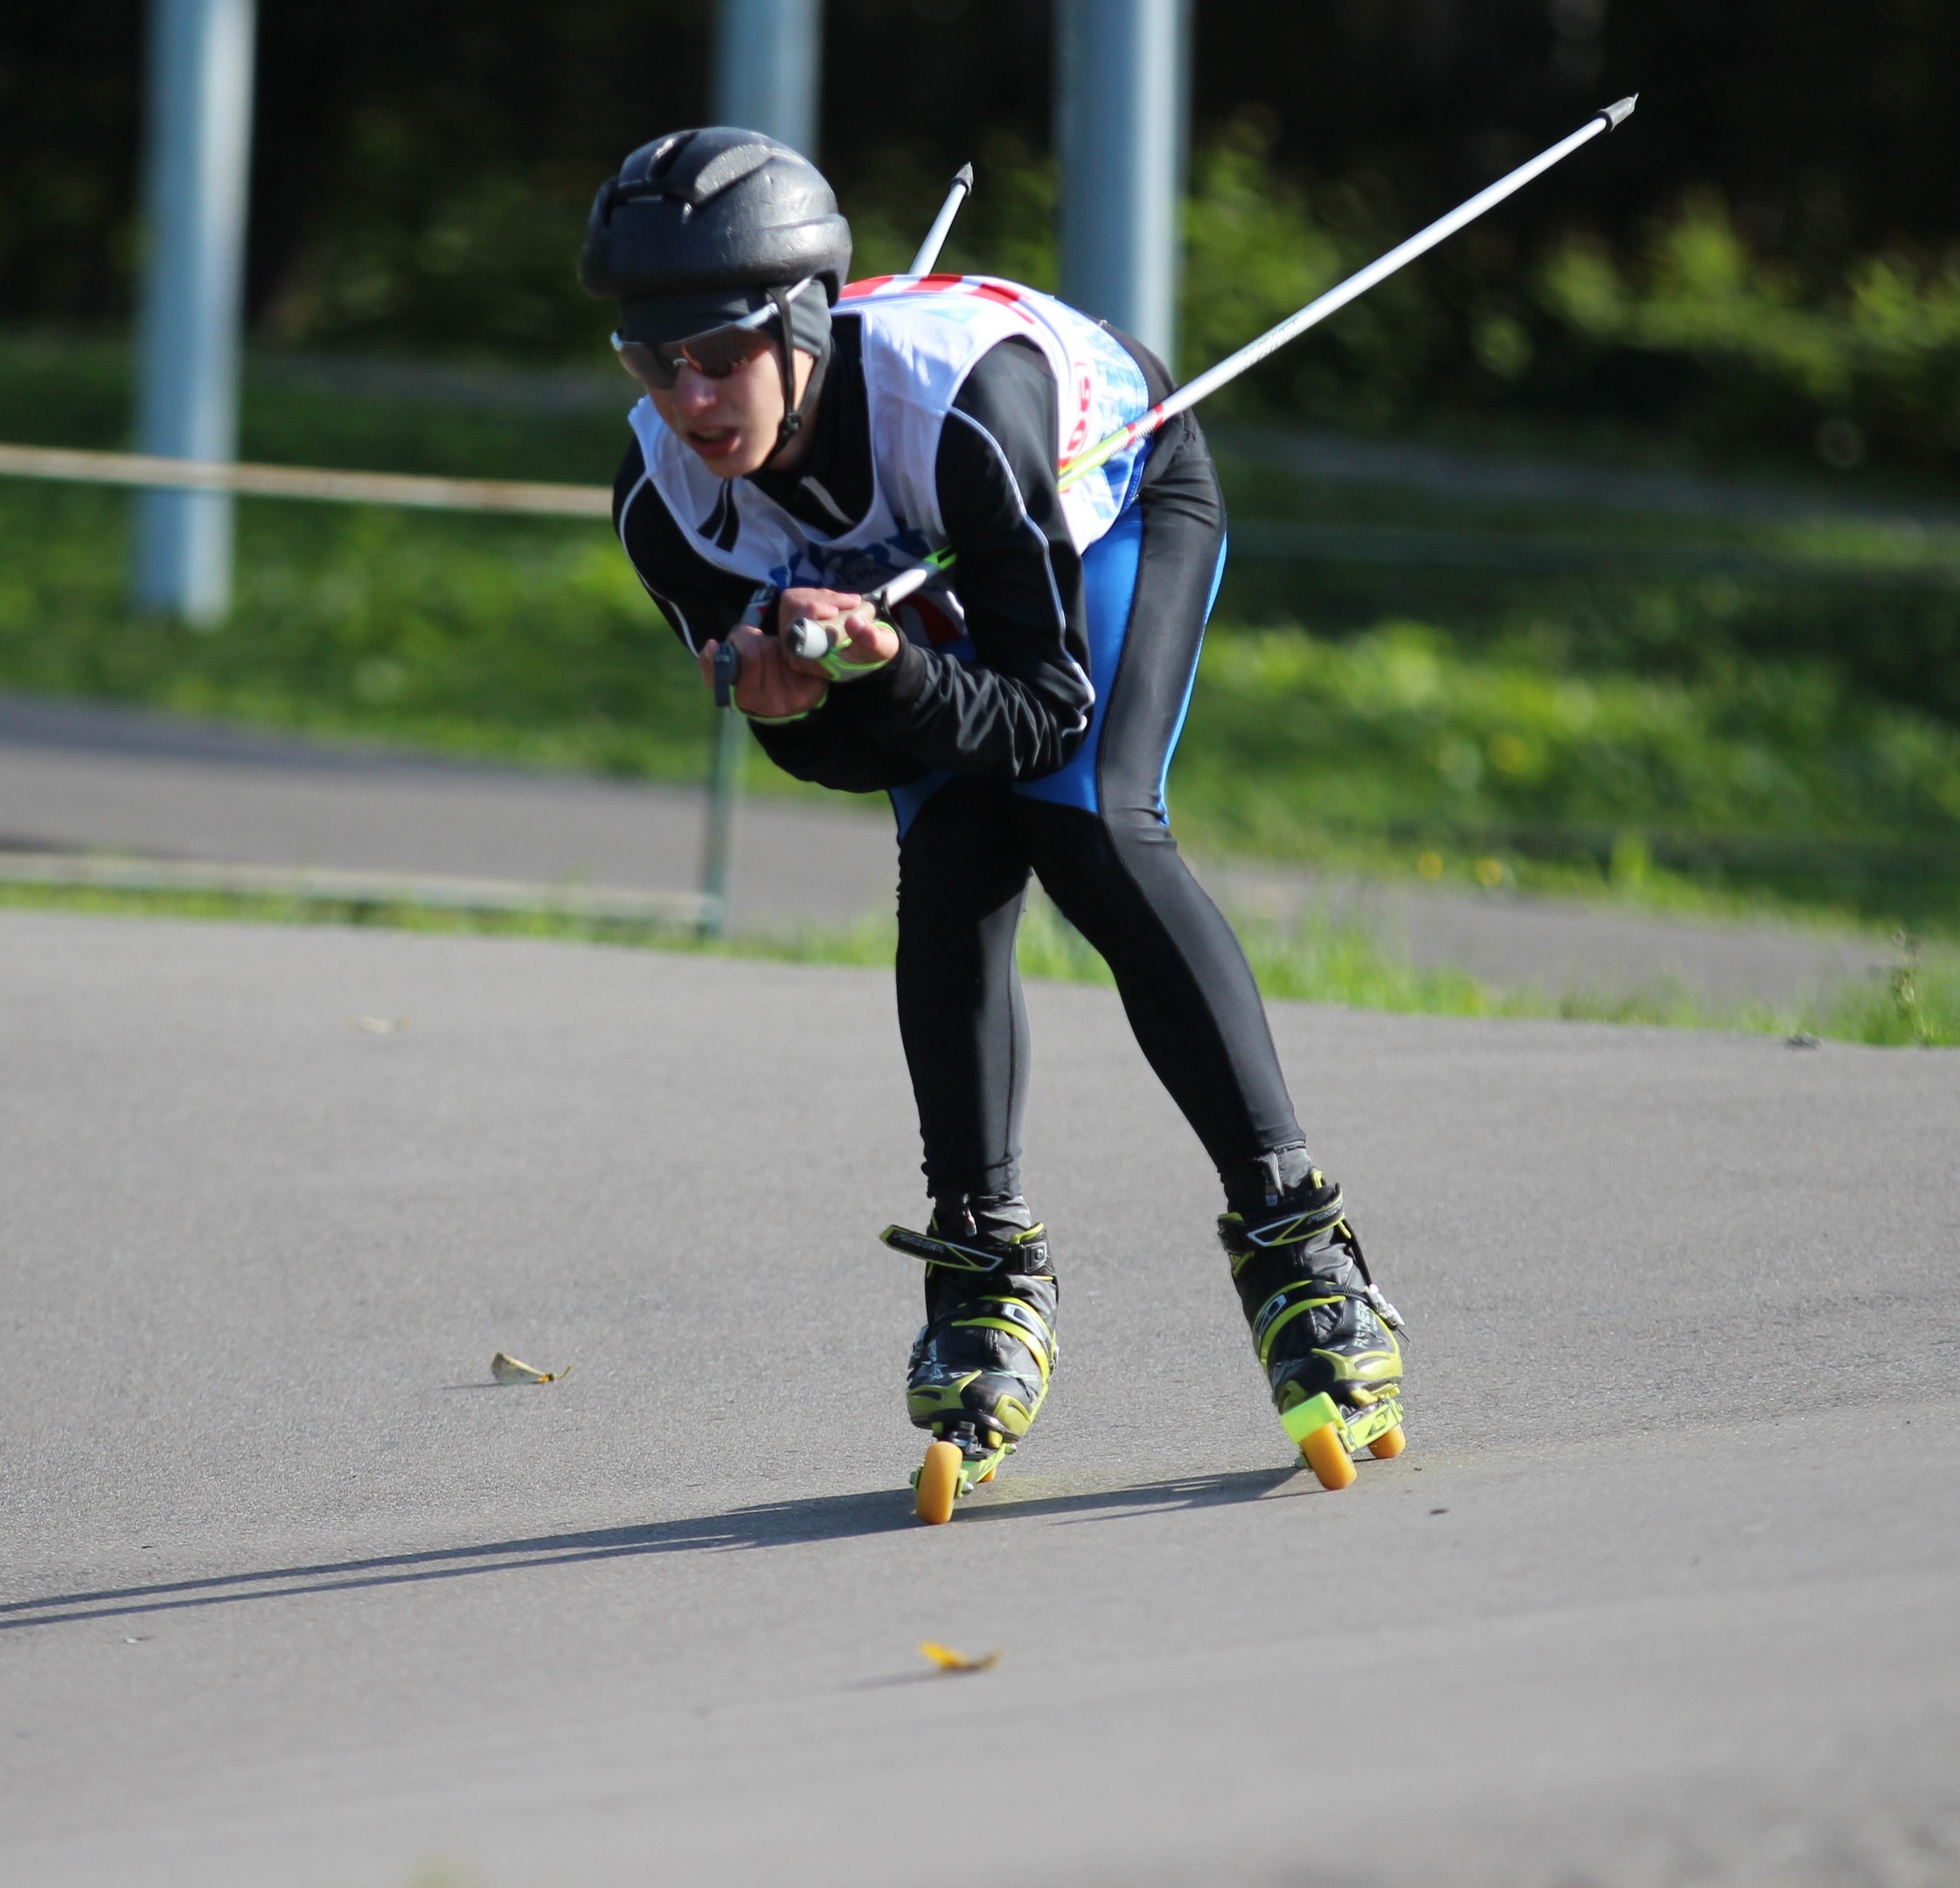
86 778
1663 1591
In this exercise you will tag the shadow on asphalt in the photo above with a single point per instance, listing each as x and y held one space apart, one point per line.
769 1524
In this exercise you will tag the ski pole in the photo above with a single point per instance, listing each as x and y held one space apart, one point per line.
935 236
812 640
1338 296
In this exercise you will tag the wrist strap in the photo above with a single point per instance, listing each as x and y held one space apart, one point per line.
836 662
780 720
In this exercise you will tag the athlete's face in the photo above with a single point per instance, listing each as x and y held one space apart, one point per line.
730 422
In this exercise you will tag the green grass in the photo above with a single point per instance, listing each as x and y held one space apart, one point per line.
1765 778
1317 959
1542 743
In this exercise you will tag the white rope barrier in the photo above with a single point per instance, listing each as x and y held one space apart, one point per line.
508 496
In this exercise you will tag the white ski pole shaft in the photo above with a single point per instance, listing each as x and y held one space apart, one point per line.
1338 296
935 236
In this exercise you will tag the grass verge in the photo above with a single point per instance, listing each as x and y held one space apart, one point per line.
1614 737
1317 959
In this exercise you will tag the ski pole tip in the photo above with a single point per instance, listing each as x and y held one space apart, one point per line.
965 174
1618 115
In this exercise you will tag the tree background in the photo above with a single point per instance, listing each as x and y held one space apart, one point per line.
1763 260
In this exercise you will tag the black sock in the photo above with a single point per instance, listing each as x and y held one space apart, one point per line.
1252 1186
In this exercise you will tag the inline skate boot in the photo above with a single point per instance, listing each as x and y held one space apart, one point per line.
980 1364
1325 1334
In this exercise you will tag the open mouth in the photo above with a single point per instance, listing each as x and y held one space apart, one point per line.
714 442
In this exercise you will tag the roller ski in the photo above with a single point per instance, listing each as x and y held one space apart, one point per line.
1325 1334
980 1365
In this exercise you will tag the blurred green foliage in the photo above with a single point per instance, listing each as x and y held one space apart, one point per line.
1652 754
1766 775
533 641
1257 245
1872 358
527 639
1760 259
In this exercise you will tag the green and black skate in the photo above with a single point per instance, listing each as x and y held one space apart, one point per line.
1325 1334
980 1365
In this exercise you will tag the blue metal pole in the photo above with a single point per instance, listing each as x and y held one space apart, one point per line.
1120 100
769 57
199 161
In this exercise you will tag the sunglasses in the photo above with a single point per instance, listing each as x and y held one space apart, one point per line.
714 354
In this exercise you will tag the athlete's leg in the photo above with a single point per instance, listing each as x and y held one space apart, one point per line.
1103 846
980 1365
961 876
1185 986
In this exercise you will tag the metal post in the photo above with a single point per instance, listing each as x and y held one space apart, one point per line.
767 57
1120 101
717 851
199 161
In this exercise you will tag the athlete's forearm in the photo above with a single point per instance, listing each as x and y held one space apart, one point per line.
964 717
827 750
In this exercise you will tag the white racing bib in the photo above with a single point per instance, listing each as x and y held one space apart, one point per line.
921 336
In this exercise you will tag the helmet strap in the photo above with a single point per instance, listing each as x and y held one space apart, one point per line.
795 412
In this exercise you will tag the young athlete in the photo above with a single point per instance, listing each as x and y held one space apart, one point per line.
802 441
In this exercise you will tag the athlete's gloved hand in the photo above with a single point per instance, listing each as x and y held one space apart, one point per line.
864 642
770 687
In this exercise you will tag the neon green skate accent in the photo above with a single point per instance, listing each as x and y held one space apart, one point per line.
950 1253
1286 1317
933 1400
1365 1425
1329 1214
1012 1330
937 1404
1369 1367
1303 1419
1043 1352
1358 1427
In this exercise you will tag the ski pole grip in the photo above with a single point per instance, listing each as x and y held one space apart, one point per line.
809 638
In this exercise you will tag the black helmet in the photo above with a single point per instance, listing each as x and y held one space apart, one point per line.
698 226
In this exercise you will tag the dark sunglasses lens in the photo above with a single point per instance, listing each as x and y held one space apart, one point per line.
645 363
718 354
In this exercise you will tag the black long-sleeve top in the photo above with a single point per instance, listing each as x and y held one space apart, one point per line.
1018 710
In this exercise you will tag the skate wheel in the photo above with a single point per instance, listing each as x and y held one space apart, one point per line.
1391 1443
939 1483
988 1476
1326 1455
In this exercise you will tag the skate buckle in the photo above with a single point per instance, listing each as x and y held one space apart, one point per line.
1381 1307
950 1254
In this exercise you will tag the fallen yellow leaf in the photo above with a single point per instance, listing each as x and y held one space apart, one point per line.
947 1660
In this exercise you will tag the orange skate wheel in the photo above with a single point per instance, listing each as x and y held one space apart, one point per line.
939 1483
1391 1443
1326 1455
988 1476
